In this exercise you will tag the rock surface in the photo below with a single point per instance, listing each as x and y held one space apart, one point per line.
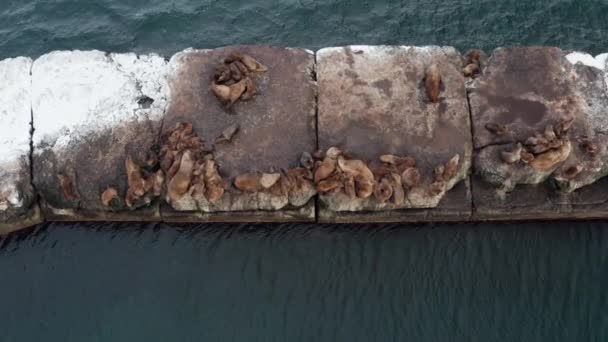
92 111
373 102
233 135
530 96
264 134
17 200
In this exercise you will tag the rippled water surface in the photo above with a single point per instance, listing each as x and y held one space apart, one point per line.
500 282
33 27
468 282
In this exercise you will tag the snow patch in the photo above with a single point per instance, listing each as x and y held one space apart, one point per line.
586 59
78 92
15 108
379 51
15 117
603 60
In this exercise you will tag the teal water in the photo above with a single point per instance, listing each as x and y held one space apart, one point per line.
467 282
499 282
33 27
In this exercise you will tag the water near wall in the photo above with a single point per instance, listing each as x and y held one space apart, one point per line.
32 28
523 282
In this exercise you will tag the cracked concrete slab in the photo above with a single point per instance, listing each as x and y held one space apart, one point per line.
92 110
18 207
540 118
273 129
372 102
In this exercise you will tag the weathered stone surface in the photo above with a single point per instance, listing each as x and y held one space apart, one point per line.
530 95
92 111
274 128
18 206
372 102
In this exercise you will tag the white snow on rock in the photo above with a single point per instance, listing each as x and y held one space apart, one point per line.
15 117
586 59
380 50
78 92
603 60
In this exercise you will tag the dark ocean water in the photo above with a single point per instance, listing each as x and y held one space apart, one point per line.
33 27
500 282
467 282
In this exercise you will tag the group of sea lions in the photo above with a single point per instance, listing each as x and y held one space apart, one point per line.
432 74
189 169
336 172
189 166
473 64
232 80
542 151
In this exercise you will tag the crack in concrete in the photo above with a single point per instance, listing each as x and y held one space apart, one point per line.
35 193
314 77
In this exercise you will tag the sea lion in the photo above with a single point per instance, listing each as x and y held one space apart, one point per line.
250 89
222 92
349 187
383 190
398 192
470 70
235 72
497 129
550 133
432 82
252 64
331 184
511 157
227 134
324 169
436 188
474 57
214 182
451 168
589 146
564 125
401 163
267 180
526 156
248 182
411 177
108 196
236 90
306 160
222 73
135 189
365 186
242 68
572 171
67 187
438 172
180 183
546 161
364 178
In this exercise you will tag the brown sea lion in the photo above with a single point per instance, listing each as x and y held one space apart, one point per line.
511 157
432 82
470 70
108 196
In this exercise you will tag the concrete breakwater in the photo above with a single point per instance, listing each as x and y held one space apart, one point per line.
264 134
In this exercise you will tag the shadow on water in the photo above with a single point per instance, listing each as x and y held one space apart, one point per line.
154 282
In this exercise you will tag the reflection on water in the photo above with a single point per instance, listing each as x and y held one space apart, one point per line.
485 282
